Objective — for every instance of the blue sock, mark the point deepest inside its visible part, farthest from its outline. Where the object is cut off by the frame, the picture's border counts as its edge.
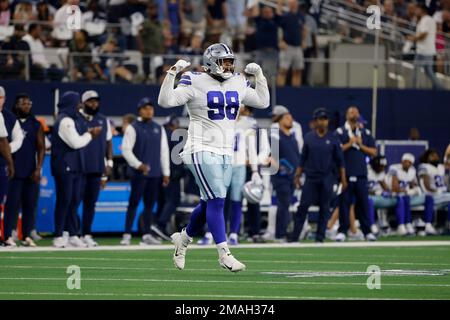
(371, 212)
(198, 219)
(429, 209)
(216, 220)
(407, 206)
(400, 211)
(236, 216)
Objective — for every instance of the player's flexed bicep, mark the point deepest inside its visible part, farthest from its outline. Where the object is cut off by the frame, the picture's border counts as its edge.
(173, 97)
(260, 96)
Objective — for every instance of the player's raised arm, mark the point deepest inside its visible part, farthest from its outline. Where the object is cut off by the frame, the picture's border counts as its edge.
(172, 97)
(259, 97)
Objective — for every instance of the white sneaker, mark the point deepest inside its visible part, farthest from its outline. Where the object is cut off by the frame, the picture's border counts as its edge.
(227, 261)
(358, 236)
(75, 242)
(374, 229)
(59, 242)
(371, 237)
(410, 229)
(401, 230)
(268, 236)
(89, 241)
(206, 240)
(126, 239)
(35, 236)
(340, 237)
(10, 242)
(181, 241)
(28, 242)
(66, 235)
(148, 239)
(430, 230)
(330, 234)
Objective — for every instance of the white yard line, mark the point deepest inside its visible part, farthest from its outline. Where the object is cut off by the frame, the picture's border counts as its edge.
(430, 243)
(204, 281)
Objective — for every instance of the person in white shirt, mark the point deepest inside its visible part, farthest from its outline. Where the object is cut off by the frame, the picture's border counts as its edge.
(5, 150)
(213, 99)
(432, 180)
(146, 150)
(402, 180)
(425, 39)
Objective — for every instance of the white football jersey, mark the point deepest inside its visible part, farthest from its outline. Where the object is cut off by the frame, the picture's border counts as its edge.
(374, 181)
(404, 177)
(436, 174)
(213, 107)
(244, 139)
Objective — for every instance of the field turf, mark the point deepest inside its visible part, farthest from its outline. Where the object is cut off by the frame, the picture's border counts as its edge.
(314, 272)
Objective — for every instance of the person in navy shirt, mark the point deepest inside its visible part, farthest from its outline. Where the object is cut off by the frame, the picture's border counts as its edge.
(98, 159)
(146, 150)
(28, 160)
(283, 180)
(67, 166)
(357, 144)
(321, 154)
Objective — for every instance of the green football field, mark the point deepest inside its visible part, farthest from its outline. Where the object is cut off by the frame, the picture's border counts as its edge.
(420, 270)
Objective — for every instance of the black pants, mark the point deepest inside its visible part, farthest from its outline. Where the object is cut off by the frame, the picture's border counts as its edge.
(172, 198)
(314, 192)
(21, 194)
(68, 195)
(359, 191)
(90, 190)
(284, 190)
(148, 189)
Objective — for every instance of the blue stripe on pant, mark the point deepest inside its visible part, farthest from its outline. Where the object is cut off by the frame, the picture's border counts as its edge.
(68, 194)
(359, 191)
(314, 192)
(21, 194)
(91, 190)
(148, 189)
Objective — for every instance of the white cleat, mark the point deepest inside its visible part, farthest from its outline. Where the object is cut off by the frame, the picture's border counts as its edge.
(75, 242)
(340, 237)
(268, 236)
(60, 242)
(148, 240)
(410, 229)
(401, 230)
(357, 236)
(374, 229)
(371, 237)
(10, 242)
(430, 230)
(179, 255)
(28, 242)
(126, 239)
(227, 261)
(89, 241)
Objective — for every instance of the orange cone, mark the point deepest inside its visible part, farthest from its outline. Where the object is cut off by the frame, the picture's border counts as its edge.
(19, 227)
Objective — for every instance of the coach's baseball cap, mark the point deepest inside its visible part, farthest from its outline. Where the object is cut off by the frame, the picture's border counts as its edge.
(144, 102)
(408, 157)
(320, 113)
(279, 111)
(2, 91)
(90, 94)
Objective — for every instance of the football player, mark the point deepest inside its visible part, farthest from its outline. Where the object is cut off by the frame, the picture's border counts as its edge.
(213, 99)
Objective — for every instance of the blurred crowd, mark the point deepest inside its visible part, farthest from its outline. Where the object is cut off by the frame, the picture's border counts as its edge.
(280, 36)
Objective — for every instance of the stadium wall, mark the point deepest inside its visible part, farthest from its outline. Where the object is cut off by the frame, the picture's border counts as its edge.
(398, 110)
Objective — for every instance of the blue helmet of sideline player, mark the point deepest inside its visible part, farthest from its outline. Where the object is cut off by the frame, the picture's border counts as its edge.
(218, 59)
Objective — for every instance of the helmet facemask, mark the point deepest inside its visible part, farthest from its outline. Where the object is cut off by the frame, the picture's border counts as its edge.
(216, 57)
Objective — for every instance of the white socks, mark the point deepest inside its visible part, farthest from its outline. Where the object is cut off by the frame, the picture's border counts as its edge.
(222, 248)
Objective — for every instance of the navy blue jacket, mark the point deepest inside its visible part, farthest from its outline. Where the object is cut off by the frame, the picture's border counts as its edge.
(289, 156)
(291, 23)
(321, 155)
(147, 147)
(25, 157)
(355, 159)
(95, 152)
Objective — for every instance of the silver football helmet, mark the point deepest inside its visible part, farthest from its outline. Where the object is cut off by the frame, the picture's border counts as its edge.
(253, 192)
(213, 59)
